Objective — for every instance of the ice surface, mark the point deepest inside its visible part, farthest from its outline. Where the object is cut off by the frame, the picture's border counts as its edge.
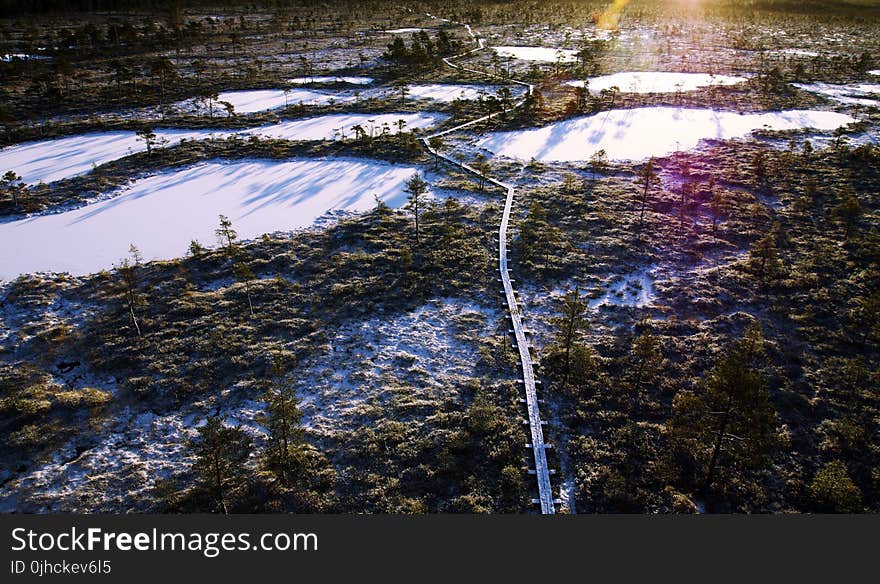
(162, 213)
(547, 54)
(656, 81)
(636, 134)
(51, 160)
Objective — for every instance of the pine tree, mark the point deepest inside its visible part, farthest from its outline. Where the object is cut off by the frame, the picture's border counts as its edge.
(416, 189)
(148, 137)
(227, 236)
(130, 285)
(569, 323)
(648, 175)
(532, 233)
(833, 490)
(481, 165)
(283, 454)
(221, 454)
(849, 211)
(731, 421)
(243, 273)
(12, 184)
(765, 255)
(645, 361)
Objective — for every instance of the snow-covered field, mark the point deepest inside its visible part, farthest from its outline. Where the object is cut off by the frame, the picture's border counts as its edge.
(547, 54)
(325, 79)
(874, 72)
(636, 134)
(656, 81)
(51, 160)
(450, 92)
(161, 214)
(854, 94)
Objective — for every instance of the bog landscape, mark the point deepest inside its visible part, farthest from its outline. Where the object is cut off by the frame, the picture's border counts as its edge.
(563, 256)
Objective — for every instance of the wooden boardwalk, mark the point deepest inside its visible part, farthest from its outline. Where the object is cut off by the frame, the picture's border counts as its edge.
(537, 444)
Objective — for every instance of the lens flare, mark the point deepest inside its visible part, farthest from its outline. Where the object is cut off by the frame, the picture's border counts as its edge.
(611, 16)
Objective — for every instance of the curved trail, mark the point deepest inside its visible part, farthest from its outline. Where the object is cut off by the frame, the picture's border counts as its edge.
(538, 446)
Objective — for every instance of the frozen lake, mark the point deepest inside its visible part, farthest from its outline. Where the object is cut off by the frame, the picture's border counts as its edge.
(406, 30)
(547, 54)
(450, 92)
(51, 160)
(325, 79)
(636, 134)
(260, 100)
(162, 213)
(656, 81)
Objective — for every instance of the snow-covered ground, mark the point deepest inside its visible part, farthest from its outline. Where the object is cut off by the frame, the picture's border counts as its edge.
(326, 79)
(51, 160)
(635, 289)
(636, 134)
(161, 214)
(139, 449)
(450, 92)
(874, 72)
(547, 54)
(421, 351)
(416, 357)
(656, 81)
(854, 94)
